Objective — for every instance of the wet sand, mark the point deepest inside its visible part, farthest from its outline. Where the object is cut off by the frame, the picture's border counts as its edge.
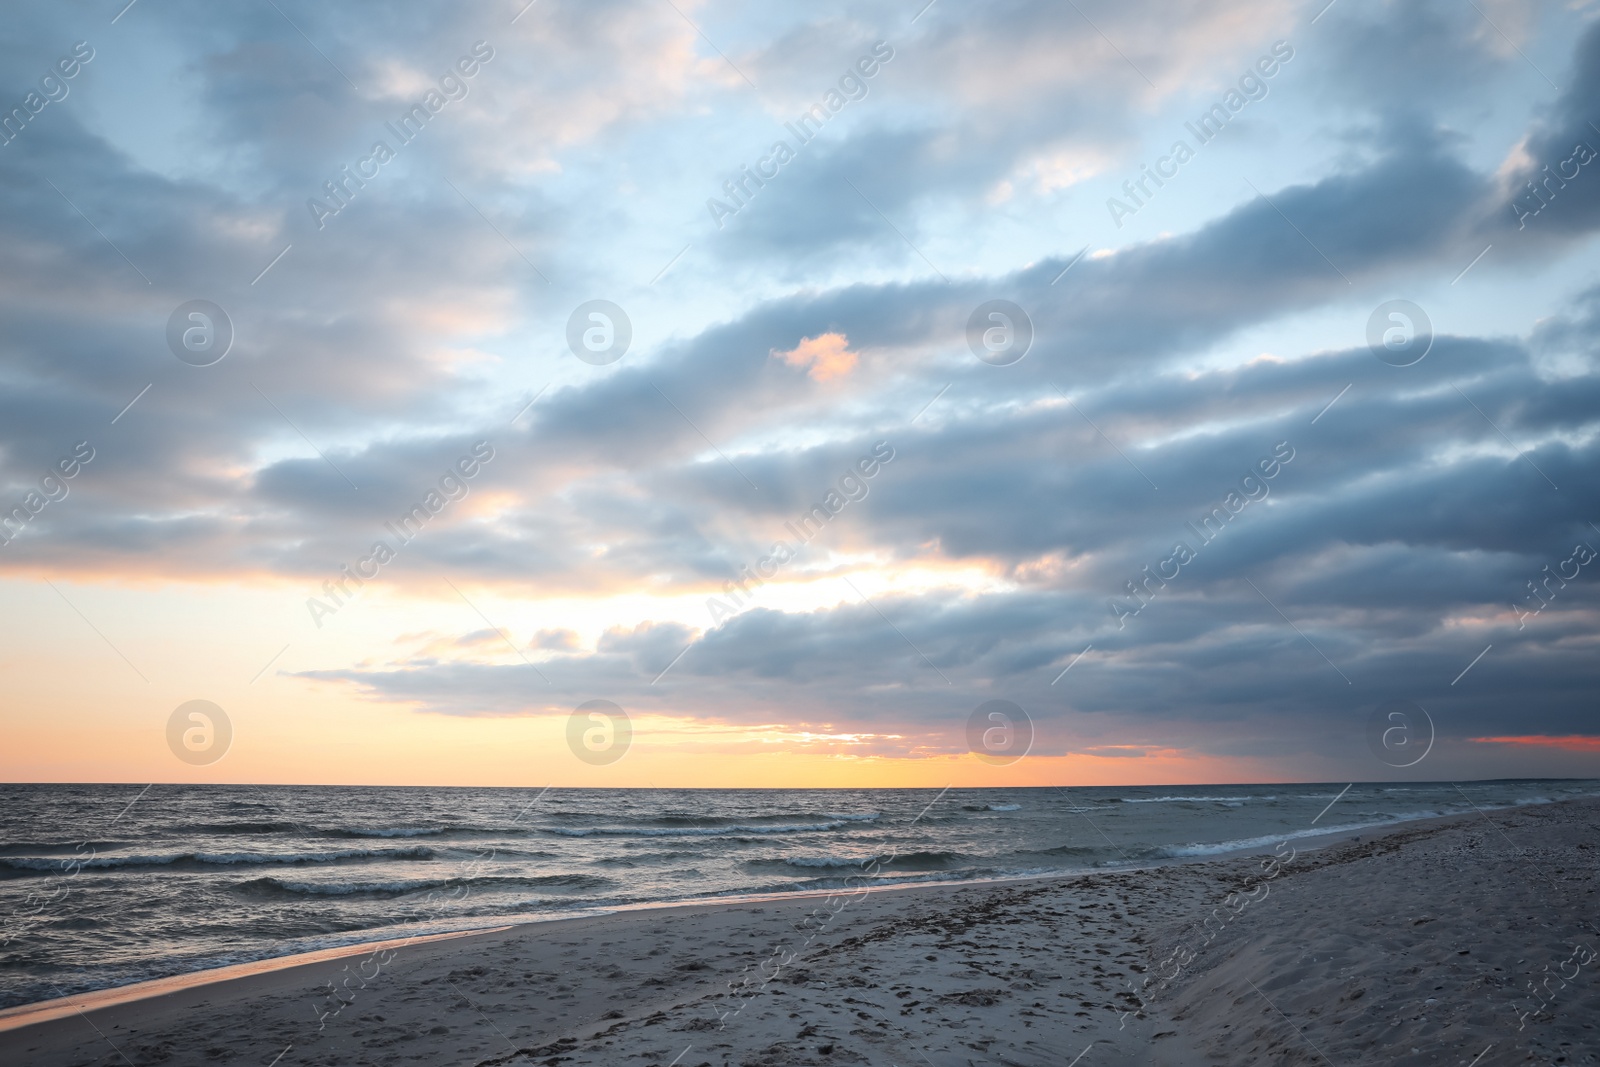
(1429, 944)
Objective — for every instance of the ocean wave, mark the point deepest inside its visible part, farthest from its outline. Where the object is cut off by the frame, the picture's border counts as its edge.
(269, 884)
(912, 861)
(1220, 847)
(913, 877)
(242, 827)
(692, 831)
(920, 861)
(1085, 851)
(693, 819)
(1005, 807)
(69, 850)
(394, 831)
(1185, 800)
(649, 859)
(826, 861)
(34, 864)
(578, 883)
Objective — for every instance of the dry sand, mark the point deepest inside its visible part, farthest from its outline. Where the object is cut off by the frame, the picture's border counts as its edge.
(1418, 946)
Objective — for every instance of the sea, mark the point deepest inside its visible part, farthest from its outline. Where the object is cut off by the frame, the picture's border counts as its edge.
(104, 885)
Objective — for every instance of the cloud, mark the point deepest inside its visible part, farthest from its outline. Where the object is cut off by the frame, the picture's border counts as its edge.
(824, 357)
(1575, 743)
(559, 640)
(829, 315)
(1552, 183)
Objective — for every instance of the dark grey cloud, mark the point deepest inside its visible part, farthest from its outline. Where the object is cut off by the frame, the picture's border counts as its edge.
(1554, 195)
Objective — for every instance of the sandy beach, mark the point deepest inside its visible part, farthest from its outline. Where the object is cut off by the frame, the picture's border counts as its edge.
(1468, 940)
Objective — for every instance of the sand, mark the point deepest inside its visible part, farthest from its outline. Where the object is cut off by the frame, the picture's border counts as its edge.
(1423, 945)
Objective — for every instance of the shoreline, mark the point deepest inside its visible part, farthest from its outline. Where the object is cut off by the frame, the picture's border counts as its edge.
(37, 1012)
(21, 1015)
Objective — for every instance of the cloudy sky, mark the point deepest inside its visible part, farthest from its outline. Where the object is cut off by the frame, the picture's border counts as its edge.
(1326, 277)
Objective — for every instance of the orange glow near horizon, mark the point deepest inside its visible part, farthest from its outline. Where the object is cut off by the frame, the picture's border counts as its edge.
(320, 738)
(1569, 742)
(95, 670)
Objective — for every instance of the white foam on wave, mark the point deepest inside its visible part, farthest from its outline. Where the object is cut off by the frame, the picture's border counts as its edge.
(828, 861)
(1241, 844)
(1189, 800)
(691, 831)
(340, 889)
(413, 885)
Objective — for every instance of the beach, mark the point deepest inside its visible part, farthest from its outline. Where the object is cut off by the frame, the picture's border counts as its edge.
(860, 535)
(1463, 940)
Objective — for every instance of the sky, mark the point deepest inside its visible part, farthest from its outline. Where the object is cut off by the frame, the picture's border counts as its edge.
(1215, 384)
